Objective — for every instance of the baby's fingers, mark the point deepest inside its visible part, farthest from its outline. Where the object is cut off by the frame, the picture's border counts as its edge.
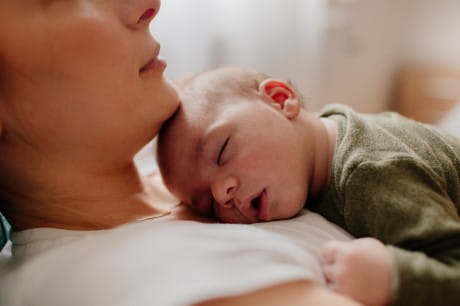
(331, 250)
(330, 274)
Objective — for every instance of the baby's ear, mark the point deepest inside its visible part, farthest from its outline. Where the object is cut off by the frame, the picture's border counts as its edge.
(281, 96)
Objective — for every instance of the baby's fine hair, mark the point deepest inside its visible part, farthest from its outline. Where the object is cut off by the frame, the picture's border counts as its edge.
(217, 85)
(211, 88)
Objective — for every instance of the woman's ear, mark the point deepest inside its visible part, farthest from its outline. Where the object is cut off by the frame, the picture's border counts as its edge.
(281, 96)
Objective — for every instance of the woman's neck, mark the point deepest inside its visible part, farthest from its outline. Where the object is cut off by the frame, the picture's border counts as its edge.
(84, 201)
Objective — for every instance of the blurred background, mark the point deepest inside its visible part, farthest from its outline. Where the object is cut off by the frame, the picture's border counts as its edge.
(372, 55)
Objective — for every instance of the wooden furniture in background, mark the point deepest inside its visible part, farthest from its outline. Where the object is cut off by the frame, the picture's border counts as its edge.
(426, 94)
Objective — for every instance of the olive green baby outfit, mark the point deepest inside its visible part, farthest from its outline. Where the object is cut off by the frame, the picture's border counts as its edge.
(399, 181)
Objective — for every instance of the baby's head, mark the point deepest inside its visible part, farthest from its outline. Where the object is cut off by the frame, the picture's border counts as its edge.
(232, 149)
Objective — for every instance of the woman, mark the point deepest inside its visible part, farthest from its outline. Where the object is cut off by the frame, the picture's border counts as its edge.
(81, 91)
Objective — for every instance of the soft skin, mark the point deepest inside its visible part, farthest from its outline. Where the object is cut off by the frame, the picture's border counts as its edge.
(76, 104)
(244, 157)
(361, 269)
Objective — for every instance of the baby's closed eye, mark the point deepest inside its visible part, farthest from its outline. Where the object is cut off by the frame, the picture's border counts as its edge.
(222, 157)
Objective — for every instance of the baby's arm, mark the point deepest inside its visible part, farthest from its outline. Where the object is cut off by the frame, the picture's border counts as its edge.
(409, 208)
(361, 269)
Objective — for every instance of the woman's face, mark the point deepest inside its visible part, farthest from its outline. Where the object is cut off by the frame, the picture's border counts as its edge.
(81, 75)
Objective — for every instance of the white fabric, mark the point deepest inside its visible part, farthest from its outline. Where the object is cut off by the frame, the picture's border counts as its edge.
(160, 262)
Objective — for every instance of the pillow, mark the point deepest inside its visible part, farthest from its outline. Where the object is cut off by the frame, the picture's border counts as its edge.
(5, 229)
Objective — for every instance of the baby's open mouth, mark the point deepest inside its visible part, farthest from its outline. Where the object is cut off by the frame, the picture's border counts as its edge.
(255, 203)
(255, 207)
(261, 206)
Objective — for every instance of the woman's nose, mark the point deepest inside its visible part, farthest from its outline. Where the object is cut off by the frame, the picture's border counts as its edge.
(224, 189)
(137, 14)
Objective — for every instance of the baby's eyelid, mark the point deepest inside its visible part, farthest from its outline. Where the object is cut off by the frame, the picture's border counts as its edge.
(222, 151)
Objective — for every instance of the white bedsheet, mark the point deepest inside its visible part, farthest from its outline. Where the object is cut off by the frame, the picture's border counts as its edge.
(161, 262)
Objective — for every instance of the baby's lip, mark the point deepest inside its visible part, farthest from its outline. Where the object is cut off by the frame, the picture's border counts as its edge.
(251, 206)
(264, 207)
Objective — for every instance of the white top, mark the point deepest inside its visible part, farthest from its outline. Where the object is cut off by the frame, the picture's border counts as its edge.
(160, 262)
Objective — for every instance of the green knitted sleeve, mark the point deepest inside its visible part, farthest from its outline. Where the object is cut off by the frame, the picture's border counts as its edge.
(408, 207)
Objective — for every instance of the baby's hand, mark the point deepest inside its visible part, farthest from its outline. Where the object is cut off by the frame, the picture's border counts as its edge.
(361, 269)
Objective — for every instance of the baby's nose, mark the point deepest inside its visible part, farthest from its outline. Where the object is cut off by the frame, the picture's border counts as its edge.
(223, 190)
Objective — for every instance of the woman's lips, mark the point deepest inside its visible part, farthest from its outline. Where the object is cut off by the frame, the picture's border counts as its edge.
(155, 64)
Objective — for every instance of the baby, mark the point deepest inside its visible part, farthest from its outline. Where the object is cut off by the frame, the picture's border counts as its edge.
(243, 149)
